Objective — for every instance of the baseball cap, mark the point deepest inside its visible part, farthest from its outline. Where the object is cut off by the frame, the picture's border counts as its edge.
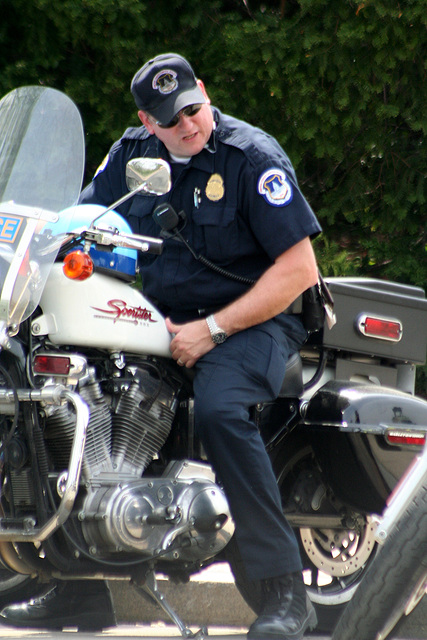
(165, 85)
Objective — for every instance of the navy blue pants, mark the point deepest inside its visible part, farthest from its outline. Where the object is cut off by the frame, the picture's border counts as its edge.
(246, 369)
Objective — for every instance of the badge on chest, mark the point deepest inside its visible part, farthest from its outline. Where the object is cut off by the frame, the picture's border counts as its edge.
(215, 188)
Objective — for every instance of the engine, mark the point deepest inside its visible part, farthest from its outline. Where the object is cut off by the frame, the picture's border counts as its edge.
(130, 419)
(182, 514)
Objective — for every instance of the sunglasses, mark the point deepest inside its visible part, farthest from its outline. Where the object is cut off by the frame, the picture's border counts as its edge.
(189, 111)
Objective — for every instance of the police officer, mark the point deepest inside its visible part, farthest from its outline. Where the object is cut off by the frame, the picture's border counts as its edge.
(242, 210)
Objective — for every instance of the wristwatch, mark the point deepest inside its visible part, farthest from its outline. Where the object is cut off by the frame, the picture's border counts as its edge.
(218, 335)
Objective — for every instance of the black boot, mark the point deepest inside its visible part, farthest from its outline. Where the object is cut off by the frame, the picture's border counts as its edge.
(86, 605)
(287, 611)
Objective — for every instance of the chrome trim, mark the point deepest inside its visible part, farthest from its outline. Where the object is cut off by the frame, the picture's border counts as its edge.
(405, 491)
(54, 394)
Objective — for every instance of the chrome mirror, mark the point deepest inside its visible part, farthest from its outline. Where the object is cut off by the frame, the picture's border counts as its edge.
(148, 175)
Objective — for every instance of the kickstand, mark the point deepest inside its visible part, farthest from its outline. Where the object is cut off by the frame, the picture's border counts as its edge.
(149, 587)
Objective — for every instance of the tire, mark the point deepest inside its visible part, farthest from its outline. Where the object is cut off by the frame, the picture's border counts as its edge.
(330, 578)
(394, 583)
(16, 587)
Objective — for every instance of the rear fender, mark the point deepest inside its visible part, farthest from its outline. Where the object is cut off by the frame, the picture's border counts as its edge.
(364, 437)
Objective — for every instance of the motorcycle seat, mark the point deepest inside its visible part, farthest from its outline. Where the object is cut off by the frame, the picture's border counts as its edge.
(292, 385)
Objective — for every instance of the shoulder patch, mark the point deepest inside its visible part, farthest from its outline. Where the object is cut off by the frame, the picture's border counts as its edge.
(275, 187)
(102, 165)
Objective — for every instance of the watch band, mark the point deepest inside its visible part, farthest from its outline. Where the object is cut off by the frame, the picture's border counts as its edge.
(218, 335)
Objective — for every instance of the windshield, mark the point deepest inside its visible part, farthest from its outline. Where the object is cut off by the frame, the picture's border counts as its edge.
(41, 172)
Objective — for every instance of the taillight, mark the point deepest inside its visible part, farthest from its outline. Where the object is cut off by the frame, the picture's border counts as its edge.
(52, 365)
(77, 265)
(400, 437)
(377, 327)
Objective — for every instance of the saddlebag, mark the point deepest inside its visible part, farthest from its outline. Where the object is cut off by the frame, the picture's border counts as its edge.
(364, 437)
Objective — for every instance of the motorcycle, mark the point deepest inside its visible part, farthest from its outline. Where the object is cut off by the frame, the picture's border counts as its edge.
(102, 473)
(396, 581)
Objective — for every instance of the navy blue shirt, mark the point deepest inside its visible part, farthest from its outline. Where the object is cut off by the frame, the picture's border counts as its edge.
(242, 204)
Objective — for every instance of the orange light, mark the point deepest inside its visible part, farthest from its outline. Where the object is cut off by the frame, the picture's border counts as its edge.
(77, 265)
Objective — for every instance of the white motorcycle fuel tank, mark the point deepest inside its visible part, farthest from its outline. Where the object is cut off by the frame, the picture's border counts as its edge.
(102, 312)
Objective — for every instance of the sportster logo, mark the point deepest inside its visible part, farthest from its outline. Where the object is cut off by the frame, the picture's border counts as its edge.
(119, 310)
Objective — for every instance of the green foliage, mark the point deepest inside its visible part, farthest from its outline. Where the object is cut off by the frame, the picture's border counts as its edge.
(340, 83)
(342, 86)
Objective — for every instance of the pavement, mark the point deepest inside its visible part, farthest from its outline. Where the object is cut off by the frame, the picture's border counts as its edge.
(127, 632)
(211, 599)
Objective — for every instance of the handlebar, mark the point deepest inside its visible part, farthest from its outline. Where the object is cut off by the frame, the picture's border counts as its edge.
(111, 237)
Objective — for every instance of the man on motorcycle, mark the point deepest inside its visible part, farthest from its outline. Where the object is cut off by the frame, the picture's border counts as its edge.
(242, 209)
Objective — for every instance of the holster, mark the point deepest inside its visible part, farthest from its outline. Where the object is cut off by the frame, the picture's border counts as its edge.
(317, 305)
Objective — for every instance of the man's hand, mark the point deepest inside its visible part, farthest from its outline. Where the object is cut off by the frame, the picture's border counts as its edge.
(191, 341)
(293, 272)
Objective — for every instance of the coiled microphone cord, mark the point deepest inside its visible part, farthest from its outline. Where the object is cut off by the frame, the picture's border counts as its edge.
(167, 218)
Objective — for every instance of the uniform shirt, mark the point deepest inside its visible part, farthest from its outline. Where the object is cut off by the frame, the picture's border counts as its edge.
(242, 205)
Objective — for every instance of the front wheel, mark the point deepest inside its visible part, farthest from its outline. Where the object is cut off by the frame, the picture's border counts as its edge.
(396, 581)
(15, 587)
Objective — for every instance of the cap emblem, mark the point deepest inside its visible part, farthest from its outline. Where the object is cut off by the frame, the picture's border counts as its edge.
(165, 81)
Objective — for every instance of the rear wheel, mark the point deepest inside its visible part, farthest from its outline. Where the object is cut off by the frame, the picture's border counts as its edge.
(334, 560)
(395, 582)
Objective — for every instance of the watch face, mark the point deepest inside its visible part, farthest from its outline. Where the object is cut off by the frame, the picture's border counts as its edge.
(219, 337)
